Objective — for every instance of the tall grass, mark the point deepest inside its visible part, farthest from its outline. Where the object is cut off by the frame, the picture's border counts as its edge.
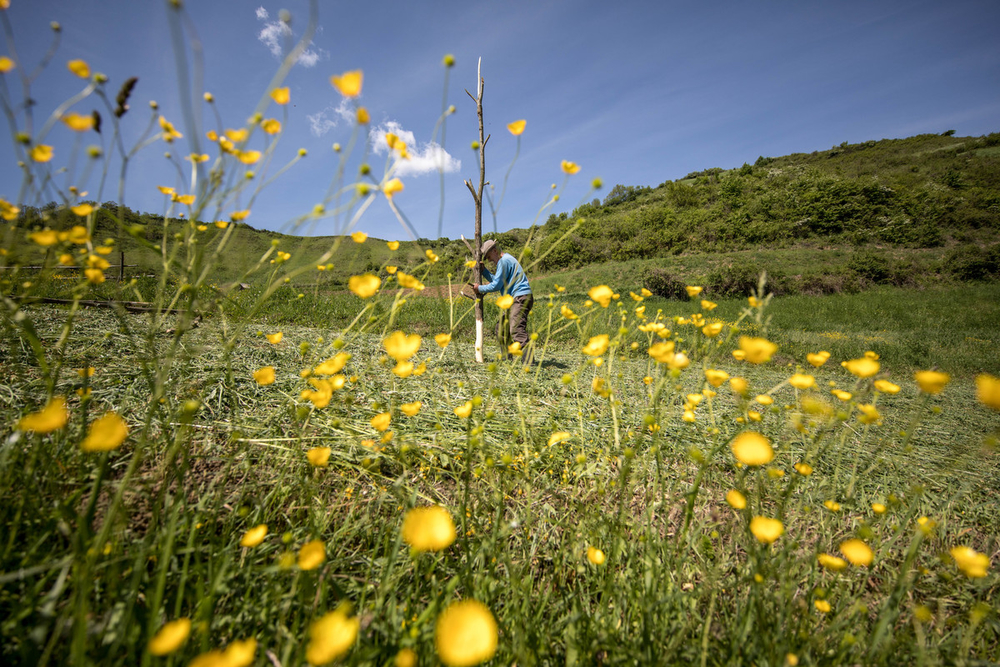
(231, 478)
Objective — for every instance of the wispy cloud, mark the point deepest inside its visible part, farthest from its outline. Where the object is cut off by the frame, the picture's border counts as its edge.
(323, 121)
(425, 158)
(275, 34)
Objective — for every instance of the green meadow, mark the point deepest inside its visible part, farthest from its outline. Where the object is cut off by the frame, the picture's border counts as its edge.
(776, 448)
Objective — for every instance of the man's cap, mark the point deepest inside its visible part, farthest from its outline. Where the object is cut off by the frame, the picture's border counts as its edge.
(487, 246)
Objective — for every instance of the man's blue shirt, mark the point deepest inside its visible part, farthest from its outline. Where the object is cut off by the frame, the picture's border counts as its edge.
(509, 278)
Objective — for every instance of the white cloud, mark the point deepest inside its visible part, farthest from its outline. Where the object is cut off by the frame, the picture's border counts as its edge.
(323, 121)
(274, 33)
(425, 158)
(319, 123)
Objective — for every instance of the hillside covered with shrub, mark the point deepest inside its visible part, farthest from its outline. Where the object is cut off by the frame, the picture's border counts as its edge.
(897, 211)
(921, 192)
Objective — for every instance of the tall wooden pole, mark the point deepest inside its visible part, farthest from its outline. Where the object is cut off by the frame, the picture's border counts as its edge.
(477, 196)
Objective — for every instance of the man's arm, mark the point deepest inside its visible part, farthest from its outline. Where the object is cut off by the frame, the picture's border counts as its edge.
(496, 280)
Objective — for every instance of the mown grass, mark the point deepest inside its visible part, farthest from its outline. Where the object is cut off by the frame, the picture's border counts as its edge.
(676, 587)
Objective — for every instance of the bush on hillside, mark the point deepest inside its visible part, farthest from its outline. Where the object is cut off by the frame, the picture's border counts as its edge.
(740, 278)
(971, 262)
(663, 284)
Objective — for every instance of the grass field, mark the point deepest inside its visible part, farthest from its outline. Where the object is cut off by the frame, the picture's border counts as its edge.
(103, 549)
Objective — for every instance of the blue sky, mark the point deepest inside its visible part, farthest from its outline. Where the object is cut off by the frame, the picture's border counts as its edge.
(636, 93)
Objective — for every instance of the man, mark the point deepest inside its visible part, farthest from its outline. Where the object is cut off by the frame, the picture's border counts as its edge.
(508, 278)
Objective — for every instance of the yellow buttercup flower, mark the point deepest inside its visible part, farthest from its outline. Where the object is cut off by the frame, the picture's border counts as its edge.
(403, 369)
(597, 346)
(739, 385)
(988, 390)
(464, 410)
(40, 153)
(559, 436)
(757, 350)
(802, 381)
(332, 636)
(570, 167)
(869, 413)
(365, 285)
(566, 312)
(401, 347)
(406, 657)
(264, 376)
(841, 394)
(410, 409)
(52, 417)
(766, 530)
(170, 637)
(428, 528)
(595, 556)
(280, 95)
(602, 294)
(271, 126)
(254, 536)
(716, 378)
(886, 387)
(392, 187)
(363, 116)
(392, 245)
(505, 302)
(712, 329)
(312, 555)
(105, 434)
(348, 83)
(319, 457)
(442, 339)
(931, 382)
(972, 563)
(237, 136)
(381, 421)
(803, 469)
(465, 634)
(169, 132)
(8, 211)
(662, 352)
(822, 606)
(408, 281)
(6, 64)
(817, 359)
(239, 216)
(45, 238)
(248, 157)
(752, 449)
(693, 290)
(864, 367)
(333, 365)
(517, 127)
(359, 237)
(857, 552)
(736, 499)
(878, 508)
(831, 505)
(274, 338)
(240, 653)
(79, 67)
(831, 562)
(78, 122)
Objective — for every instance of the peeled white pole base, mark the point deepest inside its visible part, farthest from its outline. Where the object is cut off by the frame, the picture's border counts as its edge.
(479, 341)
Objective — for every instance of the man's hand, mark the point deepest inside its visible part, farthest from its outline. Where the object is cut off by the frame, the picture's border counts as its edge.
(470, 291)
